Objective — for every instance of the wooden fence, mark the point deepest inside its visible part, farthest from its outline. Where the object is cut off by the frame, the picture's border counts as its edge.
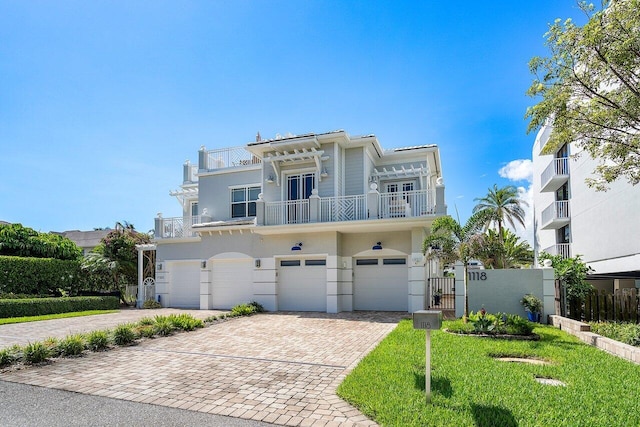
(621, 306)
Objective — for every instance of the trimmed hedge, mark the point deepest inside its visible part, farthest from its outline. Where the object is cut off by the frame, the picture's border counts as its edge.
(40, 306)
(38, 276)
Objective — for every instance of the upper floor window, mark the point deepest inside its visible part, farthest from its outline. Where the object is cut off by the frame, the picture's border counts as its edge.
(243, 201)
(563, 152)
(194, 208)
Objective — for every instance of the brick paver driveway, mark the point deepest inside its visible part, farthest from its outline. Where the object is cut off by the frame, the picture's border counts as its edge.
(281, 368)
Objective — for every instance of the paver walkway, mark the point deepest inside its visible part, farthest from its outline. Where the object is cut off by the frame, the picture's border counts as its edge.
(24, 333)
(281, 368)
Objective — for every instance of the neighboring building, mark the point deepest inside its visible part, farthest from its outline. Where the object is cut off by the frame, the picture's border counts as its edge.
(86, 240)
(318, 222)
(572, 219)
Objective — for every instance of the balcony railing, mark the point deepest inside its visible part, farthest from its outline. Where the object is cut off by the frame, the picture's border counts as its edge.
(562, 249)
(407, 203)
(226, 158)
(555, 174)
(287, 212)
(556, 215)
(345, 208)
(176, 228)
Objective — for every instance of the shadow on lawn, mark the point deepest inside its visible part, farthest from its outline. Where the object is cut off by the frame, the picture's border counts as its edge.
(489, 416)
(440, 385)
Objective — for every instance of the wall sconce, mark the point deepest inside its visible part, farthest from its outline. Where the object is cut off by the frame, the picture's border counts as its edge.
(297, 247)
(257, 262)
(377, 246)
(324, 173)
(203, 264)
(270, 179)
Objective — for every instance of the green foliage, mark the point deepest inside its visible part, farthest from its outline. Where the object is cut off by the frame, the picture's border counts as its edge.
(491, 324)
(184, 321)
(628, 333)
(38, 276)
(16, 240)
(36, 352)
(531, 303)
(151, 304)
(42, 306)
(146, 321)
(51, 343)
(243, 310)
(119, 246)
(72, 345)
(97, 340)
(146, 331)
(572, 272)
(590, 91)
(164, 326)
(123, 335)
(471, 388)
(25, 319)
(509, 252)
(7, 357)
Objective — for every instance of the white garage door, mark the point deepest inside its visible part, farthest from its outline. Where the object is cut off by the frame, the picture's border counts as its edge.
(302, 285)
(381, 284)
(231, 282)
(185, 284)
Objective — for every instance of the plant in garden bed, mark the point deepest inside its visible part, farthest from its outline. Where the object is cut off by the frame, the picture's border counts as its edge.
(628, 333)
(73, 345)
(98, 340)
(483, 323)
(163, 326)
(123, 335)
(7, 357)
(36, 352)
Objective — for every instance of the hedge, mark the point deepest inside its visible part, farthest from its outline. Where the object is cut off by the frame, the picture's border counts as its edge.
(41, 306)
(38, 276)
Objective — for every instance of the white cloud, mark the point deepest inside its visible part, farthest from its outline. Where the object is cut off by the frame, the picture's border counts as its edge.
(517, 170)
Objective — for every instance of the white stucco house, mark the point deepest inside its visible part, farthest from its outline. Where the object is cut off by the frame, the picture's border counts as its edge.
(572, 219)
(318, 222)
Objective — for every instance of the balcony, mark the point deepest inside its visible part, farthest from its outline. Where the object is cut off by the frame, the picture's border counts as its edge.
(556, 215)
(554, 175)
(562, 249)
(223, 158)
(175, 228)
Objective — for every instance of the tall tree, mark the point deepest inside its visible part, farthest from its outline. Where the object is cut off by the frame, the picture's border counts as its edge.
(508, 252)
(590, 89)
(451, 241)
(501, 205)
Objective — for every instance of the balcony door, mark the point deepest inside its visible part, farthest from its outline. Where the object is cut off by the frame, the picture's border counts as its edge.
(299, 187)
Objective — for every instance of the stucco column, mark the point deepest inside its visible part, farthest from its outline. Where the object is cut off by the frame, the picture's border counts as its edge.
(314, 206)
(441, 207)
(202, 158)
(186, 171)
(260, 210)
(158, 226)
(373, 201)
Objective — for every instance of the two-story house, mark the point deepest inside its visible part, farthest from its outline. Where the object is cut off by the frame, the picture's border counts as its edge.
(318, 222)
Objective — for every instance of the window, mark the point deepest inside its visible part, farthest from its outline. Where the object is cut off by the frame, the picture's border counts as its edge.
(315, 262)
(562, 193)
(299, 186)
(290, 263)
(394, 261)
(564, 235)
(243, 201)
(367, 261)
(194, 208)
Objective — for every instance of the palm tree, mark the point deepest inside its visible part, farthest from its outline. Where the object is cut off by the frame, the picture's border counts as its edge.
(455, 242)
(508, 252)
(501, 205)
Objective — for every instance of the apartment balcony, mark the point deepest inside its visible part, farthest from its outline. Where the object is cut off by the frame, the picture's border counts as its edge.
(556, 215)
(363, 207)
(555, 175)
(223, 158)
(175, 228)
(562, 249)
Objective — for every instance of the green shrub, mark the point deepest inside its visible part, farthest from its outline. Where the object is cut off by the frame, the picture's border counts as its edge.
(243, 310)
(123, 335)
(493, 324)
(72, 345)
(39, 276)
(35, 352)
(257, 306)
(146, 331)
(52, 345)
(97, 340)
(7, 357)
(151, 304)
(164, 326)
(517, 325)
(185, 322)
(146, 321)
(41, 306)
(628, 333)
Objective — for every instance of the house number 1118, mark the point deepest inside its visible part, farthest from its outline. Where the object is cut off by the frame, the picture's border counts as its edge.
(477, 275)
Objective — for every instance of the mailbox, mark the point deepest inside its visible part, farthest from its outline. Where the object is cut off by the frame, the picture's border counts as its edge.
(427, 319)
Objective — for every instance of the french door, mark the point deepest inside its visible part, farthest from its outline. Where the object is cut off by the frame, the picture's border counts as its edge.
(298, 191)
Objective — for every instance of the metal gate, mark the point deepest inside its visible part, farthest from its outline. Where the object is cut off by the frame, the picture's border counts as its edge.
(441, 293)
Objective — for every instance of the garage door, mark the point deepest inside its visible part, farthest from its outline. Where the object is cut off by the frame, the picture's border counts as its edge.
(381, 284)
(185, 284)
(231, 282)
(302, 285)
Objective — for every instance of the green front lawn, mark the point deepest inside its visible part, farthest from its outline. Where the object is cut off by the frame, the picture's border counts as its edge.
(471, 388)
(9, 320)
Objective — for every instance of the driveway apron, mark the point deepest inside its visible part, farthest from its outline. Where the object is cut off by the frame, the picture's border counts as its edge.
(280, 368)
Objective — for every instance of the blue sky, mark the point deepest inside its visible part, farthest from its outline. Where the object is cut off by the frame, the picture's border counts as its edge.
(101, 102)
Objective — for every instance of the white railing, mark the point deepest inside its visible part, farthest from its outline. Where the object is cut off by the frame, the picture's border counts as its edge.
(229, 157)
(192, 173)
(344, 208)
(556, 210)
(177, 227)
(559, 166)
(562, 249)
(287, 212)
(407, 204)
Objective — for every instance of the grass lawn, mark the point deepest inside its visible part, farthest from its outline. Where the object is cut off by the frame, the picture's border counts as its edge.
(10, 320)
(471, 388)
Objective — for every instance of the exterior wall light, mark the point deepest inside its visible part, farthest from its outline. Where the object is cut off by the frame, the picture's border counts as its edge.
(377, 246)
(270, 179)
(297, 247)
(324, 173)
(257, 262)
